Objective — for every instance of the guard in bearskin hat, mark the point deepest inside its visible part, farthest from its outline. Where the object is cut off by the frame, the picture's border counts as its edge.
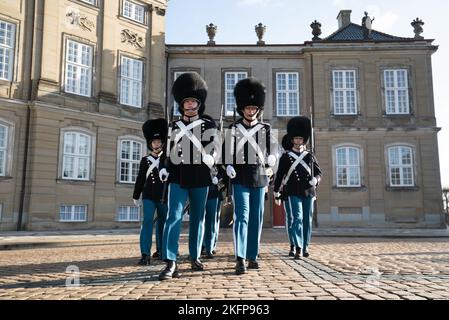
(187, 171)
(287, 145)
(297, 176)
(149, 186)
(253, 152)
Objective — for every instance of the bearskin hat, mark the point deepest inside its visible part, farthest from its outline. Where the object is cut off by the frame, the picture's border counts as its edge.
(155, 129)
(249, 92)
(286, 142)
(190, 85)
(299, 127)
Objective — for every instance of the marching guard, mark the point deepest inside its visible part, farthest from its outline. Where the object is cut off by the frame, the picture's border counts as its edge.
(297, 176)
(251, 152)
(287, 145)
(187, 171)
(149, 186)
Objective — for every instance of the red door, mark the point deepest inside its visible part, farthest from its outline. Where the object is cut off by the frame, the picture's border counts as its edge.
(278, 215)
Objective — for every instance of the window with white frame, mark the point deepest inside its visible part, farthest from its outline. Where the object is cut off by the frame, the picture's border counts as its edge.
(131, 82)
(133, 11)
(7, 40)
(231, 79)
(128, 214)
(348, 167)
(78, 68)
(92, 2)
(3, 149)
(396, 91)
(287, 93)
(130, 155)
(344, 92)
(73, 213)
(76, 156)
(400, 166)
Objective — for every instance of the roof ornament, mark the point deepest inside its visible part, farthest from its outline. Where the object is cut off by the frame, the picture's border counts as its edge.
(367, 25)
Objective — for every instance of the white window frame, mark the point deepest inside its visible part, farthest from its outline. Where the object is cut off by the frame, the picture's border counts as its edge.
(4, 151)
(287, 91)
(7, 48)
(233, 77)
(92, 2)
(130, 162)
(75, 155)
(127, 215)
(345, 90)
(74, 64)
(396, 90)
(134, 79)
(72, 212)
(401, 166)
(347, 167)
(133, 13)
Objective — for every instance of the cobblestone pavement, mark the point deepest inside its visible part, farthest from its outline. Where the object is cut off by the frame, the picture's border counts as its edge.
(338, 268)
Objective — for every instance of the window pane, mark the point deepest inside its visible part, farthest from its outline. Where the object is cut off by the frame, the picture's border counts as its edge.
(353, 156)
(136, 150)
(2, 137)
(341, 157)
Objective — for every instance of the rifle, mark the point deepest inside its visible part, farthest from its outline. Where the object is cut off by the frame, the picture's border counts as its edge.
(312, 149)
(167, 155)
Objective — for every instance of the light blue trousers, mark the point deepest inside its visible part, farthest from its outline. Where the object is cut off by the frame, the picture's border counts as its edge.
(211, 224)
(302, 213)
(288, 222)
(177, 198)
(248, 220)
(146, 230)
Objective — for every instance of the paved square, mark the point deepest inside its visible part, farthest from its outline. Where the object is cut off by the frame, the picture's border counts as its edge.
(338, 268)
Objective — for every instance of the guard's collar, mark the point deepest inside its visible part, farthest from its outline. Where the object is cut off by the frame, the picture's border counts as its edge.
(190, 119)
(250, 123)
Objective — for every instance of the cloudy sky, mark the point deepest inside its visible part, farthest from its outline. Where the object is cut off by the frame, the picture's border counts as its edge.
(288, 21)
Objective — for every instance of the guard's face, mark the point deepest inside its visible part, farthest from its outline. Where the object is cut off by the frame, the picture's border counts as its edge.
(156, 144)
(251, 112)
(298, 141)
(190, 107)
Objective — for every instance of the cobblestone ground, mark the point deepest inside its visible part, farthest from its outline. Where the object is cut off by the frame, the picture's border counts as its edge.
(338, 268)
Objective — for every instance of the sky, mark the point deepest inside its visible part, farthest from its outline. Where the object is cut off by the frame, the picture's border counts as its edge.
(288, 21)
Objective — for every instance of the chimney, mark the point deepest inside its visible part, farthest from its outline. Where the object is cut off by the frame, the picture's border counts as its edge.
(344, 18)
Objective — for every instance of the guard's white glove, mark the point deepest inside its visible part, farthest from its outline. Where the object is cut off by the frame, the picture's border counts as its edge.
(136, 202)
(271, 161)
(208, 160)
(313, 182)
(231, 172)
(163, 175)
(214, 180)
(277, 200)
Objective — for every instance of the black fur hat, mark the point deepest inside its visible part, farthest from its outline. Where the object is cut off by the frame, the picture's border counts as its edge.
(155, 129)
(190, 85)
(249, 92)
(299, 127)
(286, 143)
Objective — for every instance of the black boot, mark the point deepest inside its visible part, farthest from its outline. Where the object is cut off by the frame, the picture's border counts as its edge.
(170, 271)
(305, 253)
(292, 251)
(209, 255)
(144, 261)
(253, 264)
(298, 253)
(240, 267)
(156, 254)
(197, 265)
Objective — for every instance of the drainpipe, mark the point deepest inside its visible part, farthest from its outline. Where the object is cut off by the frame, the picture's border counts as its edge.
(28, 118)
(315, 212)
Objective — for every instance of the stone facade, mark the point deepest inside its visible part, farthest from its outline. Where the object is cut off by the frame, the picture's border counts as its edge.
(38, 108)
(47, 35)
